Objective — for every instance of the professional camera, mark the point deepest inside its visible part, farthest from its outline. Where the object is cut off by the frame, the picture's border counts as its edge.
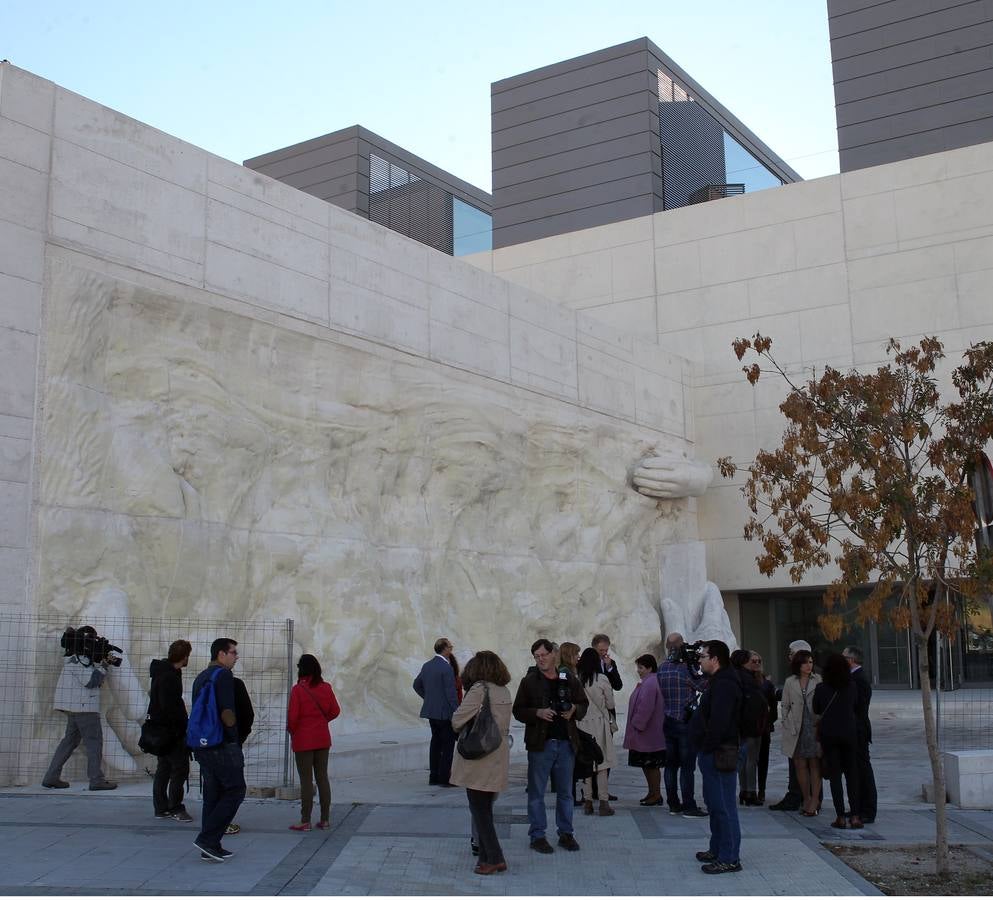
(689, 655)
(562, 702)
(85, 642)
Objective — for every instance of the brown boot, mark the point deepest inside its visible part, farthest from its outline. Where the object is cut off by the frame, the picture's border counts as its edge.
(588, 807)
(605, 809)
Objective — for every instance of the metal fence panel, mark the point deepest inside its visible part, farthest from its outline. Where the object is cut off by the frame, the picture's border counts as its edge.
(31, 660)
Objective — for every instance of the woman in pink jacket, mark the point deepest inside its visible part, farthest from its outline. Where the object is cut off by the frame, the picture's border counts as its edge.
(312, 705)
(643, 736)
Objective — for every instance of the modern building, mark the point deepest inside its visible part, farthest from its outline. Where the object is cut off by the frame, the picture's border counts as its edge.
(910, 78)
(359, 171)
(611, 135)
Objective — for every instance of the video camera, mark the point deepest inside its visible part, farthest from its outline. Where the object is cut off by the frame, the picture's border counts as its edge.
(562, 702)
(85, 642)
(689, 654)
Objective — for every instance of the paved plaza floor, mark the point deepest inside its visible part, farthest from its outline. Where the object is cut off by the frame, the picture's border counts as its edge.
(393, 834)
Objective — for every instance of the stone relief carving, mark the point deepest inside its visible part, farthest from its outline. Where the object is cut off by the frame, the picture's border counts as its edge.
(692, 605)
(200, 464)
(672, 475)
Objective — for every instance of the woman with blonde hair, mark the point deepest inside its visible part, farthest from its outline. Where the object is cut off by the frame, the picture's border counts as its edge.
(799, 729)
(569, 656)
(485, 777)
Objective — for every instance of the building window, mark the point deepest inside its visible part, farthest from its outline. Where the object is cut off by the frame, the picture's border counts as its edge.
(472, 229)
(406, 203)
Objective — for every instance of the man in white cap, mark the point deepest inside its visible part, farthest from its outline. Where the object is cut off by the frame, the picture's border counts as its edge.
(793, 799)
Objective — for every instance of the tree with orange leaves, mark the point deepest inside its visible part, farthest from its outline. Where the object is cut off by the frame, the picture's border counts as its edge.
(871, 476)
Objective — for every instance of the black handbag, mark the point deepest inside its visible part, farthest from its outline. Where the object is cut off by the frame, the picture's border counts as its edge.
(482, 736)
(588, 755)
(156, 738)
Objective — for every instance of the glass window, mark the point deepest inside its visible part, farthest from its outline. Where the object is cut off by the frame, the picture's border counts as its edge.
(743, 168)
(473, 229)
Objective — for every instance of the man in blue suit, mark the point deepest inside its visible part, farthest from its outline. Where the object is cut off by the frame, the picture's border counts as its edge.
(436, 686)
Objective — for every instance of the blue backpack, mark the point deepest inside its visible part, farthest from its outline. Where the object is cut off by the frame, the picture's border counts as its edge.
(205, 728)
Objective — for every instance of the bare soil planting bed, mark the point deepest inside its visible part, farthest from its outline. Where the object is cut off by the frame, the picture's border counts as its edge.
(909, 871)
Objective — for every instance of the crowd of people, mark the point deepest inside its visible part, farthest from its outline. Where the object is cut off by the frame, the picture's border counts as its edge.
(703, 710)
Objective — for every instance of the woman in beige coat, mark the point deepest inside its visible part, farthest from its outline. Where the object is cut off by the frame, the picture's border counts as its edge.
(598, 722)
(484, 778)
(798, 724)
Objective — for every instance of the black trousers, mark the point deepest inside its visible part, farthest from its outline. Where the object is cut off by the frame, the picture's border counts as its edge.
(867, 781)
(763, 769)
(442, 749)
(839, 759)
(481, 809)
(170, 775)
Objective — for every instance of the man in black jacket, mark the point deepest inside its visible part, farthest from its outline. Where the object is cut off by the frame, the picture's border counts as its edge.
(863, 736)
(715, 726)
(549, 702)
(601, 643)
(166, 706)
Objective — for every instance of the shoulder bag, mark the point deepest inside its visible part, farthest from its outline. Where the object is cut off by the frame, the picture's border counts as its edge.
(482, 736)
(156, 739)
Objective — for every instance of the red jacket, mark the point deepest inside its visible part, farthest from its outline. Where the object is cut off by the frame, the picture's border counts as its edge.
(311, 708)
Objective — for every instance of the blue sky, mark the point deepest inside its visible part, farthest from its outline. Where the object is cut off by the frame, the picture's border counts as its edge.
(240, 79)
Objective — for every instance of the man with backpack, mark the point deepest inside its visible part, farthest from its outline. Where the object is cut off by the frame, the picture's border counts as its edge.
(167, 708)
(212, 733)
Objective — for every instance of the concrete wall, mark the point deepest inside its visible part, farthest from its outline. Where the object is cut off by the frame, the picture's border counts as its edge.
(911, 77)
(830, 269)
(86, 183)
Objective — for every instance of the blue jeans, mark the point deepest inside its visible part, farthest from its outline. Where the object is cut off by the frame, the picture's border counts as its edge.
(680, 764)
(223, 771)
(556, 759)
(719, 793)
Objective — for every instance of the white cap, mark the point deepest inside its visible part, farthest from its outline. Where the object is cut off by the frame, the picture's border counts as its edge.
(799, 645)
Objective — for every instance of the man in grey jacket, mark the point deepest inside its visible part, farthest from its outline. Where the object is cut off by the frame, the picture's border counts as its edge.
(77, 694)
(435, 685)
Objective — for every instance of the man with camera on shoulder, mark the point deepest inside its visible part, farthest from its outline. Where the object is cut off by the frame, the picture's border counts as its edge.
(549, 702)
(681, 682)
(77, 694)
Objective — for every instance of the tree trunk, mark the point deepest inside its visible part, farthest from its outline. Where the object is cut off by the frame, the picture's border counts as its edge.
(937, 772)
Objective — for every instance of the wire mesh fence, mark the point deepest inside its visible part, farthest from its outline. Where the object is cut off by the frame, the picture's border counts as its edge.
(965, 719)
(31, 660)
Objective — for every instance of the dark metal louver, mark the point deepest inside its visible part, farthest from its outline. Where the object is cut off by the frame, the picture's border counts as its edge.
(716, 192)
(410, 205)
(692, 151)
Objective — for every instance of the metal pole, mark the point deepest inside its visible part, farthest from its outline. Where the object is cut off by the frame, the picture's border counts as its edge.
(289, 687)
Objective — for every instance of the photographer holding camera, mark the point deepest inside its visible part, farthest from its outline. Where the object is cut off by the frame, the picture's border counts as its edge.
(681, 681)
(77, 694)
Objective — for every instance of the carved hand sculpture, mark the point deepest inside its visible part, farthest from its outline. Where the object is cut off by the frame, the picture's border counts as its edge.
(671, 476)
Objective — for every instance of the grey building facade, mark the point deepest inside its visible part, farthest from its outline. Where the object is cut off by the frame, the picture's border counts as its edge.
(612, 135)
(359, 171)
(911, 77)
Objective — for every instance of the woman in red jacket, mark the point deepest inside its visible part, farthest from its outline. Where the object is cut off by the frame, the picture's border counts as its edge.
(312, 705)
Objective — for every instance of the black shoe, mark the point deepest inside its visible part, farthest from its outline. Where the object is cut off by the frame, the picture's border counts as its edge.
(675, 810)
(611, 797)
(217, 854)
(719, 868)
(54, 785)
(164, 815)
(784, 805)
(542, 846)
(694, 813)
(706, 856)
(104, 786)
(474, 847)
(568, 841)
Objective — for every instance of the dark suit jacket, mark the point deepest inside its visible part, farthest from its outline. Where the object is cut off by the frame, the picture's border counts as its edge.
(436, 686)
(862, 724)
(613, 676)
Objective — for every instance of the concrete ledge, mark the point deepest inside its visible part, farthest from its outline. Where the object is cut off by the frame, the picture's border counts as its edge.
(969, 778)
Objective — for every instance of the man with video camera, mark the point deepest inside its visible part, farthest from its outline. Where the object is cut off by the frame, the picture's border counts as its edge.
(77, 694)
(681, 682)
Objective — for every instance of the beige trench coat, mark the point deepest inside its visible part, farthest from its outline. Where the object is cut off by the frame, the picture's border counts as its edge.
(597, 719)
(791, 710)
(490, 772)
